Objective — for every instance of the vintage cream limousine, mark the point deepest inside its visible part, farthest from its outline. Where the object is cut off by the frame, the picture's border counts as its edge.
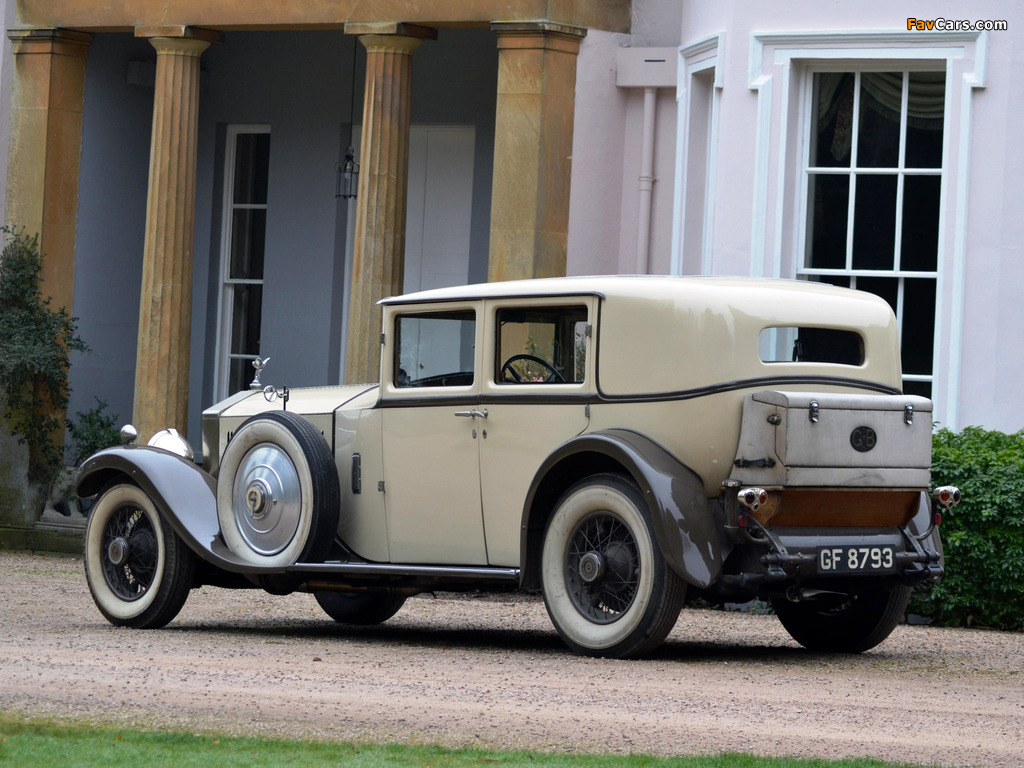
(615, 443)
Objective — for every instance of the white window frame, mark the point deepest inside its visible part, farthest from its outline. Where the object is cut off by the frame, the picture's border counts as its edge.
(900, 171)
(778, 64)
(222, 367)
(696, 58)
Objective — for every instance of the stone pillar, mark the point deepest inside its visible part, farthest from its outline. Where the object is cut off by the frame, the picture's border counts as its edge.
(45, 148)
(42, 199)
(532, 148)
(165, 307)
(379, 251)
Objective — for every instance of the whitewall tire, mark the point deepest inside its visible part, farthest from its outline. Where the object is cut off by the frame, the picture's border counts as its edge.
(607, 587)
(139, 572)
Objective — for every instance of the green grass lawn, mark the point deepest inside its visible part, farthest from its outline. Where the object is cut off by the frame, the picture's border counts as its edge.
(39, 744)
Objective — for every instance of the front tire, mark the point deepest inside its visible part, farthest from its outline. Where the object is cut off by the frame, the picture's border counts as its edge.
(360, 608)
(856, 624)
(607, 587)
(139, 572)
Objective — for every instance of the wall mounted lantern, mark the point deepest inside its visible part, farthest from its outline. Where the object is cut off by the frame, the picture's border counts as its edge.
(347, 185)
(347, 182)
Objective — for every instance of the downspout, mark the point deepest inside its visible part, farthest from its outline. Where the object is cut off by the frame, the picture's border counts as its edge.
(646, 181)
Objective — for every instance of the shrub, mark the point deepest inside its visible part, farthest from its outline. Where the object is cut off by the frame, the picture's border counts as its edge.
(91, 431)
(983, 537)
(37, 341)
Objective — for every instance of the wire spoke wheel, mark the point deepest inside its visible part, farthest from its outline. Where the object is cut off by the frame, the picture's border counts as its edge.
(602, 567)
(139, 571)
(133, 557)
(607, 587)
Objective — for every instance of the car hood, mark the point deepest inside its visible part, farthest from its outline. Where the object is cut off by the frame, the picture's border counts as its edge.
(306, 400)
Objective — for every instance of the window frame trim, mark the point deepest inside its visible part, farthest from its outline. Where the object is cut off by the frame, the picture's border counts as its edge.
(405, 396)
(543, 392)
(222, 352)
(702, 56)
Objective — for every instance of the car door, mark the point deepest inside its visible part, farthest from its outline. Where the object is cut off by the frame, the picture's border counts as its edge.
(536, 387)
(430, 391)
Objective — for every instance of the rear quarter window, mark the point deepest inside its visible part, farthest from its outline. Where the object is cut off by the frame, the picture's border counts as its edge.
(792, 344)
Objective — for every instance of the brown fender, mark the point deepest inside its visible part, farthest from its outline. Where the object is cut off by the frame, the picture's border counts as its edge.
(183, 493)
(683, 521)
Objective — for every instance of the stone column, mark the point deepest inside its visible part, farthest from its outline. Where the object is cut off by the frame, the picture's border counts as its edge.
(42, 199)
(45, 148)
(532, 148)
(379, 251)
(165, 307)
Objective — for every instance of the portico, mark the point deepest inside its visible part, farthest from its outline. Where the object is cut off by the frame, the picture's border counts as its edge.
(536, 53)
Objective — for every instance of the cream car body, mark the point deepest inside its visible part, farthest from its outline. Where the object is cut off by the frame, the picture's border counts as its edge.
(506, 411)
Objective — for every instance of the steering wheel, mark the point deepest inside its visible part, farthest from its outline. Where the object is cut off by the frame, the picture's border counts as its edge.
(506, 367)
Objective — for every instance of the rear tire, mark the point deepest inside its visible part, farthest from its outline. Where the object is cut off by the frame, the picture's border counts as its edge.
(139, 572)
(607, 587)
(856, 624)
(360, 608)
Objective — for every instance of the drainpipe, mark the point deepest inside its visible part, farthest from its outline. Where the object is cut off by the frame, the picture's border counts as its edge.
(646, 186)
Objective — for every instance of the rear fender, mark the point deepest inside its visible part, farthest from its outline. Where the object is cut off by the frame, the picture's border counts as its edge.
(924, 530)
(183, 493)
(684, 524)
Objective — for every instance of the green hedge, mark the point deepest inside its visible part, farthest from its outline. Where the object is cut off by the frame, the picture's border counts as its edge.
(983, 537)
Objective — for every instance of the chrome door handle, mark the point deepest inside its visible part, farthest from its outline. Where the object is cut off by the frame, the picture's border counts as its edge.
(473, 413)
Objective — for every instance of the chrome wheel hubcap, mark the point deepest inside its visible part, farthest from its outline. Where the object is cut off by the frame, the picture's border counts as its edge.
(267, 499)
(117, 551)
(591, 567)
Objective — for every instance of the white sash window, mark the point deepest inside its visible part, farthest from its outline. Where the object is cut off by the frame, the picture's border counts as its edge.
(873, 172)
(243, 237)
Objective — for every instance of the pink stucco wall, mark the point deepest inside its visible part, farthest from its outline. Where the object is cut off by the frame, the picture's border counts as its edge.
(981, 368)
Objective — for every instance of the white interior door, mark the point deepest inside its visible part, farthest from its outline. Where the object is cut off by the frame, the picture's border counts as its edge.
(440, 206)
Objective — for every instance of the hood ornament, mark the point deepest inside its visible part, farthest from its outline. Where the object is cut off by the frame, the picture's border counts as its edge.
(259, 365)
(270, 392)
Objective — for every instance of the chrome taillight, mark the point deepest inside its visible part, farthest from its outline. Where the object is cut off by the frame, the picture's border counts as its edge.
(752, 498)
(946, 496)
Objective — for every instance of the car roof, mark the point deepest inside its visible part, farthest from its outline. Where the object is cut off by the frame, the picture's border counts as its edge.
(612, 285)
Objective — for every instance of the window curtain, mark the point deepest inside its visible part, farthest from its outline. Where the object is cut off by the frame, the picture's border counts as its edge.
(882, 93)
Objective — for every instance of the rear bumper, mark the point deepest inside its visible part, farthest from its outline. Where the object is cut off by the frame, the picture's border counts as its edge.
(774, 559)
(799, 555)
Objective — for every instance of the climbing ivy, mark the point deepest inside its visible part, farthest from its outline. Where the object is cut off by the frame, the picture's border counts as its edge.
(36, 342)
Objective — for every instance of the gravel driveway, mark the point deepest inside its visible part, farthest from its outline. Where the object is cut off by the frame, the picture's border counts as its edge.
(492, 672)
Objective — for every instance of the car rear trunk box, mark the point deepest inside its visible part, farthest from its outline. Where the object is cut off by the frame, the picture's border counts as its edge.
(829, 440)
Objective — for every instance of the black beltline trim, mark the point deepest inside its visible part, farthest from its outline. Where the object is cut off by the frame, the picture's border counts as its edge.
(550, 397)
(761, 382)
(429, 402)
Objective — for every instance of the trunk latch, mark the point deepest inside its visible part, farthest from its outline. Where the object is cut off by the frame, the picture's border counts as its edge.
(812, 412)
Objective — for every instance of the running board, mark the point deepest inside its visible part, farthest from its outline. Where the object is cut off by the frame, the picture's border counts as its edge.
(392, 569)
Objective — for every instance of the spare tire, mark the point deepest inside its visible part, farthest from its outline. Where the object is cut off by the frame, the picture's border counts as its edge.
(278, 499)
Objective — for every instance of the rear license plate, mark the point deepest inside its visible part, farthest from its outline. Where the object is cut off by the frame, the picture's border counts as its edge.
(856, 560)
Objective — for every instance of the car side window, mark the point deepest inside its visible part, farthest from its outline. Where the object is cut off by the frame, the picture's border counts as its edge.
(434, 349)
(541, 345)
